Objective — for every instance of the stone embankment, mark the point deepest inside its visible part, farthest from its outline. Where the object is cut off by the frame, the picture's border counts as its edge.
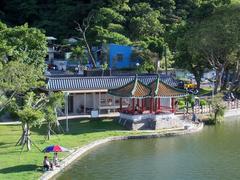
(152, 134)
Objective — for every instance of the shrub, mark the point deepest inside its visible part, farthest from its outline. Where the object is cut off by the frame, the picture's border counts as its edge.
(218, 108)
(203, 102)
(181, 104)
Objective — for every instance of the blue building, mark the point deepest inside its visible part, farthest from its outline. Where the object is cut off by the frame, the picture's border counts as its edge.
(120, 57)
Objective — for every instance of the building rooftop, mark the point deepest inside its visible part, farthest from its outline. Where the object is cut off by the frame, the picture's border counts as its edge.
(161, 89)
(56, 83)
(134, 88)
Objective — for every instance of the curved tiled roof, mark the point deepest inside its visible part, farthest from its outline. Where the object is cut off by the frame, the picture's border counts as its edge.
(161, 89)
(134, 88)
(99, 82)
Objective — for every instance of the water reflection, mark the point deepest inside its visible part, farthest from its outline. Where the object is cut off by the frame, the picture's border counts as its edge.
(213, 153)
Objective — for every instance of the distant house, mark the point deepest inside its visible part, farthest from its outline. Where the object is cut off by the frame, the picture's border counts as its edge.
(51, 48)
(120, 57)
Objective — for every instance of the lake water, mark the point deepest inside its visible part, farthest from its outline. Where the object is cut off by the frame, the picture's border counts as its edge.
(213, 153)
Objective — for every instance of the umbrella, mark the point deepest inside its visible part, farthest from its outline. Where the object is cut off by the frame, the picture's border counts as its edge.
(55, 148)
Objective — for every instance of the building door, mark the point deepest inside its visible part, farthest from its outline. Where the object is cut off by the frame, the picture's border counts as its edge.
(70, 103)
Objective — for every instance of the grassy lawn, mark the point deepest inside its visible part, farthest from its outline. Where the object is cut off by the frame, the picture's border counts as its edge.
(27, 165)
(205, 91)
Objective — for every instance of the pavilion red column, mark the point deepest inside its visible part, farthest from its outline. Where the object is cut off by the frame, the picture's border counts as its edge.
(173, 108)
(133, 104)
(138, 102)
(155, 105)
(151, 106)
(142, 105)
(159, 104)
(120, 104)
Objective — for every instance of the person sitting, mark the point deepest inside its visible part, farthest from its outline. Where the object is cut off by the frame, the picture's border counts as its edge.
(55, 160)
(47, 164)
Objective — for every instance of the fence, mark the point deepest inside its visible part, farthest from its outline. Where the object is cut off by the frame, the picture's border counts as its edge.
(208, 109)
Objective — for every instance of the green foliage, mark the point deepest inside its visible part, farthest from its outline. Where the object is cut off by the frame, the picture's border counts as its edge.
(105, 66)
(148, 59)
(28, 45)
(30, 116)
(216, 39)
(145, 21)
(218, 108)
(108, 36)
(78, 53)
(29, 111)
(181, 104)
(193, 62)
(203, 102)
(15, 78)
(189, 100)
(22, 60)
(55, 101)
(109, 24)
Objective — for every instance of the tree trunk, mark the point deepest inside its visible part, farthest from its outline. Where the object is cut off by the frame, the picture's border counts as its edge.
(198, 84)
(22, 138)
(25, 137)
(49, 131)
(236, 77)
(218, 83)
(225, 83)
(28, 141)
(197, 74)
(89, 50)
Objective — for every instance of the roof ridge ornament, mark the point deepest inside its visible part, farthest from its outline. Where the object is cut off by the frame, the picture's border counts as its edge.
(135, 84)
(157, 85)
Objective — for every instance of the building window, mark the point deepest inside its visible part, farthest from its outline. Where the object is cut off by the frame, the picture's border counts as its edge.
(119, 57)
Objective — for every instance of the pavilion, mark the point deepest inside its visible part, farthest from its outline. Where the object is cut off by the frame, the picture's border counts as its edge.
(152, 102)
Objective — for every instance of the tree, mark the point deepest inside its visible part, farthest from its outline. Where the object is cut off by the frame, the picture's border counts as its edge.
(83, 30)
(15, 80)
(216, 38)
(145, 22)
(29, 45)
(21, 48)
(109, 25)
(78, 53)
(147, 60)
(194, 63)
(30, 115)
(218, 108)
(190, 100)
(54, 102)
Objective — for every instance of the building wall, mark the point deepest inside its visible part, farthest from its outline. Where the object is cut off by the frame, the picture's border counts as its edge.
(107, 101)
(166, 102)
(120, 56)
(78, 101)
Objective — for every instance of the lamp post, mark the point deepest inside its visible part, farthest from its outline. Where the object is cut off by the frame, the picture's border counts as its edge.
(137, 64)
(66, 94)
